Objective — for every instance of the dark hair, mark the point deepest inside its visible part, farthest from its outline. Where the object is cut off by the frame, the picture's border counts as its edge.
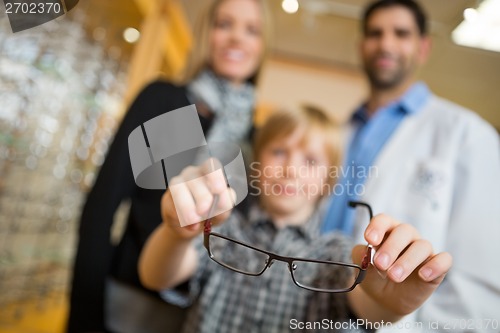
(411, 5)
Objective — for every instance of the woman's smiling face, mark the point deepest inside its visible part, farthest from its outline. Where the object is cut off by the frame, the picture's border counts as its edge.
(236, 42)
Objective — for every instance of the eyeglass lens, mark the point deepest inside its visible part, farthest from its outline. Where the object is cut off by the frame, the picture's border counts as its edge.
(236, 256)
(324, 276)
(307, 274)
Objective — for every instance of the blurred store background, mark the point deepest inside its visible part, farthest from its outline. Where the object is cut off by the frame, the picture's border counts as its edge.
(65, 85)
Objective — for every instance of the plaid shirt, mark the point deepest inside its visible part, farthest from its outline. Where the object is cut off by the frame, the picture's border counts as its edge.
(224, 301)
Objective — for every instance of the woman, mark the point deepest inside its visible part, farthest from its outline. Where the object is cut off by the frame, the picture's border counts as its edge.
(220, 80)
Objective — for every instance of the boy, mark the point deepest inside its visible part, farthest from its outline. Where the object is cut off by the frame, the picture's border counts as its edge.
(295, 152)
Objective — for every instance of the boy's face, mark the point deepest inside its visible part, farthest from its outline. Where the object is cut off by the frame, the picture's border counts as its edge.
(293, 174)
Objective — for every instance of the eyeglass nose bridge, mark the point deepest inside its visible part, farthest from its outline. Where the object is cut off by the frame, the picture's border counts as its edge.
(274, 257)
(269, 262)
(289, 261)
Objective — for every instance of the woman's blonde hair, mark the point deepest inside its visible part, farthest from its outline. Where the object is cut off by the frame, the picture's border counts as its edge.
(200, 54)
(282, 123)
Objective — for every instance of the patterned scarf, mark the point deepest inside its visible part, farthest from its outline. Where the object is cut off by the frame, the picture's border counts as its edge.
(231, 106)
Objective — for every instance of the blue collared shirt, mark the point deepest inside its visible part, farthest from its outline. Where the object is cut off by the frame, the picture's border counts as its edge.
(369, 137)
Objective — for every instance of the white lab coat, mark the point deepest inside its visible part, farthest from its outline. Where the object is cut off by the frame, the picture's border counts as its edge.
(440, 171)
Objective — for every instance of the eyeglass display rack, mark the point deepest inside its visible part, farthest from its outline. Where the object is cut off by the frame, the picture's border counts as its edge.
(60, 97)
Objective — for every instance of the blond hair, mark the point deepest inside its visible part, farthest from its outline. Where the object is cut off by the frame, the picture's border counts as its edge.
(200, 55)
(282, 123)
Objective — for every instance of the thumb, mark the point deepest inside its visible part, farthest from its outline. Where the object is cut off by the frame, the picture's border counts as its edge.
(358, 253)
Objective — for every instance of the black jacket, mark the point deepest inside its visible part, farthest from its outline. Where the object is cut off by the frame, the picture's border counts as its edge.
(96, 259)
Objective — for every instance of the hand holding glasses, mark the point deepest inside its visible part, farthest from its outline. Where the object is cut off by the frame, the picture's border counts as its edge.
(406, 265)
(311, 274)
(413, 270)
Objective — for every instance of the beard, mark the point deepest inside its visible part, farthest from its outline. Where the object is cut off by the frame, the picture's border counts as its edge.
(381, 78)
(385, 81)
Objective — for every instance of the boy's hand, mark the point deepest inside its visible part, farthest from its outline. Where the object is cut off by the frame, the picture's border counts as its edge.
(190, 196)
(413, 270)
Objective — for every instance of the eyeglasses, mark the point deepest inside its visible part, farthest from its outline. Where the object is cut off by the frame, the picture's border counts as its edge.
(315, 275)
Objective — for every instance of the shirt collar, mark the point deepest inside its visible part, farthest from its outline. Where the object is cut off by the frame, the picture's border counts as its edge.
(410, 103)
(413, 100)
(257, 217)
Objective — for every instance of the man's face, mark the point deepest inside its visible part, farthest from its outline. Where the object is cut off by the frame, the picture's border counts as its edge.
(392, 48)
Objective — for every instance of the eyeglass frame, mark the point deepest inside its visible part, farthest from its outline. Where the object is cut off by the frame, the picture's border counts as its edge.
(271, 257)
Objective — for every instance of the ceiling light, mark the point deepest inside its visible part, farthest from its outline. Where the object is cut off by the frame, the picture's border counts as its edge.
(470, 15)
(131, 35)
(481, 27)
(290, 6)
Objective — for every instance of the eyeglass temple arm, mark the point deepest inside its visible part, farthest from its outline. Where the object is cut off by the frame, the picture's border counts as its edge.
(367, 258)
(354, 204)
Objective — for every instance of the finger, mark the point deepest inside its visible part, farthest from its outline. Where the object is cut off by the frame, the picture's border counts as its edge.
(378, 227)
(358, 253)
(214, 175)
(399, 238)
(414, 256)
(202, 196)
(184, 203)
(170, 217)
(435, 269)
(201, 182)
(224, 207)
(226, 200)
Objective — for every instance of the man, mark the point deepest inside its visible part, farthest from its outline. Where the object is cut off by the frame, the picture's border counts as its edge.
(427, 162)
